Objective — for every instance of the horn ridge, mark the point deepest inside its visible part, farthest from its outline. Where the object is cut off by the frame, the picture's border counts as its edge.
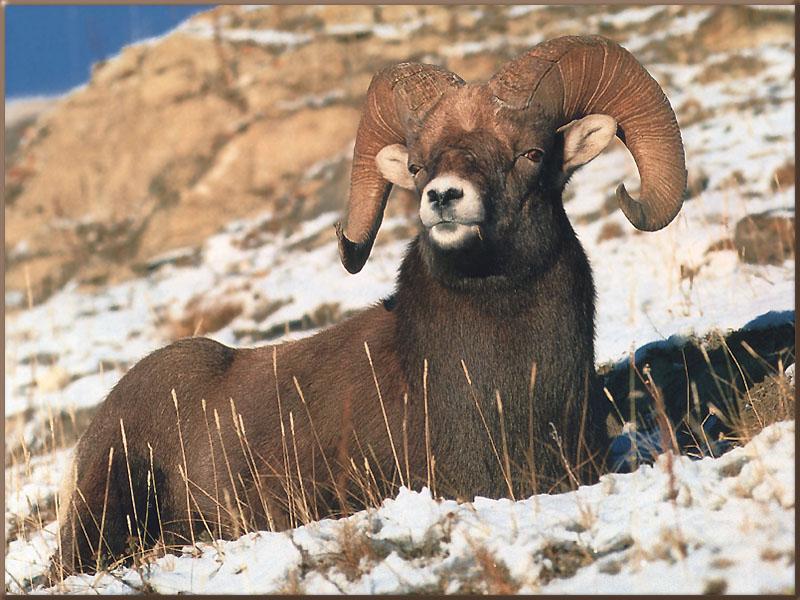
(597, 75)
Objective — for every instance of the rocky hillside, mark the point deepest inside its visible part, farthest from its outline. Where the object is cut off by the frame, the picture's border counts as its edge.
(224, 117)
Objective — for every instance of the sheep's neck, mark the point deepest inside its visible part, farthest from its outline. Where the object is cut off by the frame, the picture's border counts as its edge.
(482, 348)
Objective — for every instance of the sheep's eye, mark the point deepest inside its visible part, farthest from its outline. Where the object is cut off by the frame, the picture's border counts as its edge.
(414, 169)
(534, 155)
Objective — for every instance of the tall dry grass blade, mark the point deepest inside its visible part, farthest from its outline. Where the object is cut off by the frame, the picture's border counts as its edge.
(230, 475)
(257, 478)
(371, 479)
(384, 479)
(662, 419)
(339, 495)
(695, 397)
(238, 426)
(60, 521)
(614, 404)
(534, 475)
(284, 445)
(560, 446)
(197, 506)
(307, 513)
(147, 502)
(582, 428)
(485, 424)
(405, 438)
(764, 363)
(198, 327)
(744, 382)
(362, 485)
(213, 467)
(714, 377)
(155, 494)
(428, 454)
(185, 469)
(375, 495)
(506, 459)
(383, 411)
(80, 519)
(105, 505)
(252, 522)
(130, 481)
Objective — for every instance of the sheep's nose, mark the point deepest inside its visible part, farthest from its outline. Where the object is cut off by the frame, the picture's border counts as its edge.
(442, 198)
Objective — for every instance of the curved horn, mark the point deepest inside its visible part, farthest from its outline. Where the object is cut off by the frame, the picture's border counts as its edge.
(397, 99)
(570, 77)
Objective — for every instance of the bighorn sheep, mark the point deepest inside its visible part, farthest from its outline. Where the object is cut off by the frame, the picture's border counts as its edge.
(478, 374)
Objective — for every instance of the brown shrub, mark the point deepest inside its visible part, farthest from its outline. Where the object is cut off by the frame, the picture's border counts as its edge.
(734, 27)
(565, 558)
(697, 182)
(766, 403)
(692, 111)
(719, 245)
(731, 67)
(609, 231)
(764, 238)
(783, 177)
(201, 319)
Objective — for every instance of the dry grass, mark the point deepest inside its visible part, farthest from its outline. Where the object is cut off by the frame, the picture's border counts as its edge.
(356, 553)
(732, 367)
(201, 318)
(609, 231)
(494, 574)
(563, 560)
(768, 402)
(784, 176)
(765, 238)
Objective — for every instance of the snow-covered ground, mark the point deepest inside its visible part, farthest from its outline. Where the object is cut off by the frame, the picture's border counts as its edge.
(627, 533)
(678, 526)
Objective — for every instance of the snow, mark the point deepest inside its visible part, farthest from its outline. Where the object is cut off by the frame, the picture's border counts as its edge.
(677, 526)
(262, 37)
(383, 31)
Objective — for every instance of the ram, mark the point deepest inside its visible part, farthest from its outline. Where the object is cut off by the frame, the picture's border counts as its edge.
(477, 375)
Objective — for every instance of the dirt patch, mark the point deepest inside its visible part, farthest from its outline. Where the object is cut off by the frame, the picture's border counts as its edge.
(692, 111)
(715, 587)
(731, 67)
(610, 205)
(201, 318)
(610, 231)
(765, 238)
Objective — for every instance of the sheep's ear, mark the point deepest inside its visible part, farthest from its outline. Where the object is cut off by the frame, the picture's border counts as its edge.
(585, 138)
(392, 162)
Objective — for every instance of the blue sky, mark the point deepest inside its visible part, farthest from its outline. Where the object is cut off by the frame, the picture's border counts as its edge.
(50, 49)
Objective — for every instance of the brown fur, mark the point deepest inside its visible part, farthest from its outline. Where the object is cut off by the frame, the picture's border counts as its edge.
(197, 369)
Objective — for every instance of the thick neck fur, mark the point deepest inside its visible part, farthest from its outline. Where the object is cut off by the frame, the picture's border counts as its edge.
(499, 326)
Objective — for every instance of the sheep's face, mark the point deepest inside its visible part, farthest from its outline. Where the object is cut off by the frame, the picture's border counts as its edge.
(489, 184)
